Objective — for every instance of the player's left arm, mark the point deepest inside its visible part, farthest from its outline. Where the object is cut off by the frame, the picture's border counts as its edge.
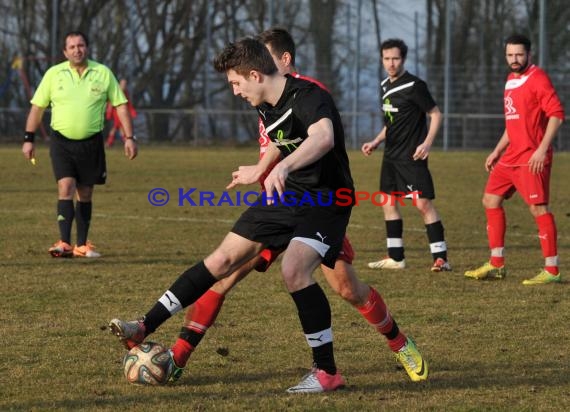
(131, 149)
(553, 109)
(119, 101)
(320, 140)
(422, 151)
(536, 161)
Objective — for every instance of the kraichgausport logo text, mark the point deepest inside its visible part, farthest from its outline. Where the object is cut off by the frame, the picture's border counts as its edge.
(340, 197)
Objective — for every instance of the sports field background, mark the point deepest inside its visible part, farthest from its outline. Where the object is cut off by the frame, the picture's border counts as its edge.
(491, 345)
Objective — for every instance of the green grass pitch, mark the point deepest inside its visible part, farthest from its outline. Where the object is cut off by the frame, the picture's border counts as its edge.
(490, 345)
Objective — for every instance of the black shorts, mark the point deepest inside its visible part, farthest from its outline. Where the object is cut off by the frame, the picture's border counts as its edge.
(275, 225)
(405, 178)
(83, 160)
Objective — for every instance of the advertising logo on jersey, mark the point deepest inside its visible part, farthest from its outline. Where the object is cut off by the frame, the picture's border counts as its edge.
(264, 138)
(289, 144)
(510, 110)
(388, 109)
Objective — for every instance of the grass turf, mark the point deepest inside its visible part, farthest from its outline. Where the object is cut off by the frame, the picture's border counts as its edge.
(490, 345)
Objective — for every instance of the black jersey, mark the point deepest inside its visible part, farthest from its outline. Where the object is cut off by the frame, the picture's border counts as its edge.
(405, 103)
(302, 104)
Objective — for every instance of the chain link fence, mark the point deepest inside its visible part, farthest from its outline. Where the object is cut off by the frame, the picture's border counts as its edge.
(468, 131)
(475, 119)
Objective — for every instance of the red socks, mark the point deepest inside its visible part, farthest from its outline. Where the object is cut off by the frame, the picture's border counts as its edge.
(377, 314)
(547, 235)
(181, 351)
(496, 228)
(199, 317)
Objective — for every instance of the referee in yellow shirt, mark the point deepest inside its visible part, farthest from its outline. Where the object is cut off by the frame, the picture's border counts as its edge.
(77, 91)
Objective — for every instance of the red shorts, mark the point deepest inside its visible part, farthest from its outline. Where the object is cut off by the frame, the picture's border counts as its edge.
(505, 181)
(269, 256)
(347, 252)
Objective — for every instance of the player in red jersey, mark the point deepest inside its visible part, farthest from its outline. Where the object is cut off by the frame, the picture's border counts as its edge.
(522, 161)
(202, 314)
(111, 114)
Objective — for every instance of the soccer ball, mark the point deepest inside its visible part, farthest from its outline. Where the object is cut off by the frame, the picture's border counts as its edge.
(148, 363)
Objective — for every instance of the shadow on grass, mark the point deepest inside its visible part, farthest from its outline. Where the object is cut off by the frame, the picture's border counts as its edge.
(107, 260)
(473, 376)
(209, 388)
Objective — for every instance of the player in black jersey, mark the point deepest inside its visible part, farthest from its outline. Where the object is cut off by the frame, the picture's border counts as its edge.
(405, 102)
(342, 279)
(307, 134)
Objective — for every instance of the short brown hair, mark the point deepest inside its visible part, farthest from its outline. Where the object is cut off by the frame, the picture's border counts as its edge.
(395, 44)
(73, 34)
(280, 41)
(518, 39)
(243, 56)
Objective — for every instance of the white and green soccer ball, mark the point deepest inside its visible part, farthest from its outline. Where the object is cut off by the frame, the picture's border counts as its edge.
(148, 363)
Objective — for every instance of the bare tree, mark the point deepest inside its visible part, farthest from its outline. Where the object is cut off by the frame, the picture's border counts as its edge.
(165, 49)
(322, 19)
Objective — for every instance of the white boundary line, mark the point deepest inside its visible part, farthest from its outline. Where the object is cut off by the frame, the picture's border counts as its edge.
(226, 221)
(230, 221)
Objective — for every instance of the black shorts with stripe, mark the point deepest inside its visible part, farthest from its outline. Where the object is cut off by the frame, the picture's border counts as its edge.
(83, 160)
(407, 178)
(275, 225)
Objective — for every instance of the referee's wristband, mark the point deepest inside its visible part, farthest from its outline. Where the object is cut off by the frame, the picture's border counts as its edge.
(29, 137)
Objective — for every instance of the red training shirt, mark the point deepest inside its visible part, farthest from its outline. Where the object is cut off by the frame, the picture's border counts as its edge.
(530, 99)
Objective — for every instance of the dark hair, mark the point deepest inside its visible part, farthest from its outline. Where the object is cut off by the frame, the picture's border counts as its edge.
(518, 39)
(73, 34)
(243, 56)
(280, 41)
(395, 43)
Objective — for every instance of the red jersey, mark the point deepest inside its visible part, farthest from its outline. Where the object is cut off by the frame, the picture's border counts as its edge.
(530, 99)
(111, 112)
(264, 138)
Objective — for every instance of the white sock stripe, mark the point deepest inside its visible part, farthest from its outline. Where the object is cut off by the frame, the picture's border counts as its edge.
(198, 327)
(170, 302)
(551, 261)
(320, 338)
(498, 252)
(383, 322)
(394, 242)
(438, 247)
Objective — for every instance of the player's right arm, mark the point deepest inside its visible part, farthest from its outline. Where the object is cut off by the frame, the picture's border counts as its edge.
(497, 152)
(319, 141)
(32, 123)
(369, 147)
(246, 175)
